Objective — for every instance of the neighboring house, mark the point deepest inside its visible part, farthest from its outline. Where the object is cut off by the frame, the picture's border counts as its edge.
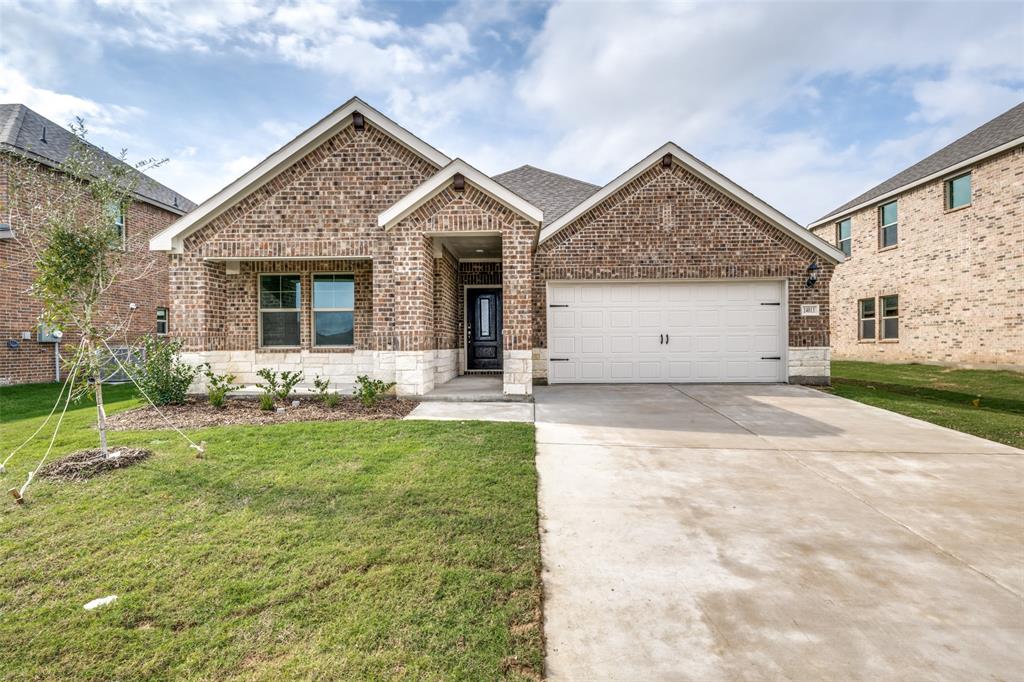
(26, 355)
(935, 267)
(358, 248)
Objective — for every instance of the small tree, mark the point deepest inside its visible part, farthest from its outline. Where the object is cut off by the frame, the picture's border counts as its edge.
(68, 221)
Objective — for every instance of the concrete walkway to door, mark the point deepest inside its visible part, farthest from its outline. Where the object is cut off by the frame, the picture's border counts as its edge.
(773, 532)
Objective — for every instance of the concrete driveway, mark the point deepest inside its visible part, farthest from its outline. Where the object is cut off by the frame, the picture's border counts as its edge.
(773, 533)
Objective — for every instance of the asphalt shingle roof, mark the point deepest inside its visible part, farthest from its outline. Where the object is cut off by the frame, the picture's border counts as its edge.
(1000, 130)
(21, 131)
(552, 193)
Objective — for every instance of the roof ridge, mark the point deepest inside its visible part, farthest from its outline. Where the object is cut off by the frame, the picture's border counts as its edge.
(548, 172)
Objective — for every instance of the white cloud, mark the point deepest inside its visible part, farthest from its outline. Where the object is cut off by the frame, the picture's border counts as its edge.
(62, 108)
(617, 80)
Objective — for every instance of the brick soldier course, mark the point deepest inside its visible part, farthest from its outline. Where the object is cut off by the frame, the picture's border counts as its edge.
(358, 194)
(957, 271)
(25, 360)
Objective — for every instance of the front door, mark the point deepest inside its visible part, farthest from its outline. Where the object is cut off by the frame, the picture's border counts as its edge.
(483, 329)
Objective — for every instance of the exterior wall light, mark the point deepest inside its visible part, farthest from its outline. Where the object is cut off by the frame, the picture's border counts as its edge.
(812, 273)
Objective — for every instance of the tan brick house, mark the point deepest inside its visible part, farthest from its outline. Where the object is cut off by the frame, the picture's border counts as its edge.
(26, 354)
(935, 267)
(358, 248)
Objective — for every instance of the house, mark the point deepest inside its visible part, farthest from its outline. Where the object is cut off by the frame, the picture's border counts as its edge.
(28, 354)
(935, 257)
(358, 248)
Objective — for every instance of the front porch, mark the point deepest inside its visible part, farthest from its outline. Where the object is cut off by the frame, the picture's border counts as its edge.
(473, 388)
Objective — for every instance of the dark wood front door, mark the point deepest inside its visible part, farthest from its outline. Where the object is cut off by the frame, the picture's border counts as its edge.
(483, 328)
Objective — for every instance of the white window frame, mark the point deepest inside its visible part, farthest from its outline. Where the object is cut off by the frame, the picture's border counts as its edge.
(882, 317)
(882, 226)
(313, 309)
(840, 240)
(947, 191)
(861, 319)
(260, 309)
(166, 321)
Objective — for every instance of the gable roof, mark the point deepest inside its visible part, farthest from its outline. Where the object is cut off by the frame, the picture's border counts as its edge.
(171, 238)
(440, 180)
(1001, 133)
(555, 194)
(32, 135)
(713, 178)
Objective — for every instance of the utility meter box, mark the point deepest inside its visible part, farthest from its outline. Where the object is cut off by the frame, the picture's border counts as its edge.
(47, 335)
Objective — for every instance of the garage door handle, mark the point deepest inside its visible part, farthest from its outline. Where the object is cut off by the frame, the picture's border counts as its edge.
(776, 303)
(661, 339)
(558, 359)
(771, 357)
(666, 338)
(558, 305)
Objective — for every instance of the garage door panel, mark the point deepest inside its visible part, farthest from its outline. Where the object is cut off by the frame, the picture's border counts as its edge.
(666, 331)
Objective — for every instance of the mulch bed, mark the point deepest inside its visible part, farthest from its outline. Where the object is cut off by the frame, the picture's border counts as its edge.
(198, 413)
(83, 465)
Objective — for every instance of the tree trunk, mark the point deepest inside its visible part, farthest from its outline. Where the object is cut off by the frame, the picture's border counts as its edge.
(101, 414)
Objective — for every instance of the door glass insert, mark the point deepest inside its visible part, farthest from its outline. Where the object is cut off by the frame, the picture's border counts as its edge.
(485, 317)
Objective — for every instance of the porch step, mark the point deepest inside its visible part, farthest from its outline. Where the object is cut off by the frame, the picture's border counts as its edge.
(473, 398)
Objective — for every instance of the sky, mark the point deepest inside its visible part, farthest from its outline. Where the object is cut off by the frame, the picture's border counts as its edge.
(805, 104)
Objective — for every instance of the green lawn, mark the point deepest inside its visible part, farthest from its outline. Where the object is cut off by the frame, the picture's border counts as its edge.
(986, 403)
(344, 550)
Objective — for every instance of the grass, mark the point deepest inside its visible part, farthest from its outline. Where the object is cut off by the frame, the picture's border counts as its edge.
(344, 550)
(985, 403)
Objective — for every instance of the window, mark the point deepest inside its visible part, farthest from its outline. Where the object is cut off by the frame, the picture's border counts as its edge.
(115, 212)
(843, 235)
(887, 218)
(333, 305)
(890, 317)
(958, 191)
(161, 321)
(280, 298)
(867, 319)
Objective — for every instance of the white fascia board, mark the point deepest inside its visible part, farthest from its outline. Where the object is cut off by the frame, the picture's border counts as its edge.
(437, 182)
(712, 177)
(171, 238)
(925, 180)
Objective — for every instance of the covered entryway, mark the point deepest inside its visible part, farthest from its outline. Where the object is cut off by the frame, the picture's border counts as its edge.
(661, 331)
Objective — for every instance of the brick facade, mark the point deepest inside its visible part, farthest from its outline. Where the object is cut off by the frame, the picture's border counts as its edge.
(669, 224)
(19, 310)
(959, 273)
(320, 215)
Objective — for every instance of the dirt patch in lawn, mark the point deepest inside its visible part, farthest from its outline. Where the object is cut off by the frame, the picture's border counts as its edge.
(198, 413)
(84, 464)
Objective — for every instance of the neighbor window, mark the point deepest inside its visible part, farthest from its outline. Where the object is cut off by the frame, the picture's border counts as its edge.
(161, 321)
(280, 298)
(887, 219)
(843, 228)
(333, 310)
(115, 212)
(958, 191)
(867, 319)
(890, 317)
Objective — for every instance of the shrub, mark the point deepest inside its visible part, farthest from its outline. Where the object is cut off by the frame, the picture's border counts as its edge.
(288, 381)
(275, 386)
(218, 386)
(369, 390)
(323, 391)
(162, 374)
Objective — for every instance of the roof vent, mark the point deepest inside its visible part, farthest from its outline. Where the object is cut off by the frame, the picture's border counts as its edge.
(358, 121)
(458, 182)
(42, 137)
(666, 161)
(175, 201)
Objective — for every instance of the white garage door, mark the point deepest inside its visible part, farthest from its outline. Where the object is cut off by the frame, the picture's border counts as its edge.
(600, 332)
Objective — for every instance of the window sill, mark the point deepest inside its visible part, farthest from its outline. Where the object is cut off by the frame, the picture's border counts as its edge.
(866, 341)
(888, 248)
(958, 208)
(278, 349)
(888, 340)
(332, 349)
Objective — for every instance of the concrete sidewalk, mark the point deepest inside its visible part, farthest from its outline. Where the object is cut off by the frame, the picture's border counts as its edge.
(773, 532)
